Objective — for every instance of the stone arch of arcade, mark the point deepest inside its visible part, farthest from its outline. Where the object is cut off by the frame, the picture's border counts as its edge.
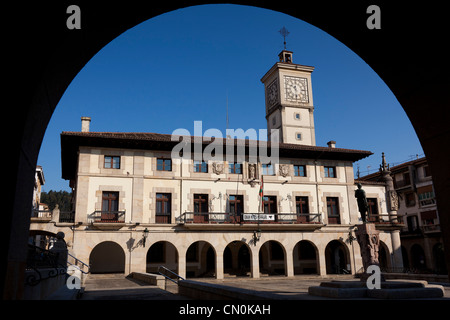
(201, 260)
(337, 258)
(306, 258)
(107, 257)
(161, 253)
(51, 55)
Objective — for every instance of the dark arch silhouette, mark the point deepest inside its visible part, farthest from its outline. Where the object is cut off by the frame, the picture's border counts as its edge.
(42, 57)
(107, 257)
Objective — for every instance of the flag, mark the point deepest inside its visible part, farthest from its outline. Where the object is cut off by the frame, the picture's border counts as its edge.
(261, 194)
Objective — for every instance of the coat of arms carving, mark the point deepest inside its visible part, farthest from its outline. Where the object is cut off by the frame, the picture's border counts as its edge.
(217, 167)
(284, 170)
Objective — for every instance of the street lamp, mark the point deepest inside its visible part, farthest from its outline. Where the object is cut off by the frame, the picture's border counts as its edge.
(144, 236)
(256, 236)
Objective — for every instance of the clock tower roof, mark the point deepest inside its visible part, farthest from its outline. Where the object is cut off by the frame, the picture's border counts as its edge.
(285, 56)
(286, 65)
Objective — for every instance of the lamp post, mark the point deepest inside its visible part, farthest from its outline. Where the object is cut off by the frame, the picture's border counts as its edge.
(144, 236)
(256, 236)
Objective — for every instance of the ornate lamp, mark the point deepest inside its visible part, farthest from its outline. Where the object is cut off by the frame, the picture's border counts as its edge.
(144, 236)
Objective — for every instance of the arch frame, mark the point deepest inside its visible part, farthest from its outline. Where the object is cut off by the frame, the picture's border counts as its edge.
(62, 54)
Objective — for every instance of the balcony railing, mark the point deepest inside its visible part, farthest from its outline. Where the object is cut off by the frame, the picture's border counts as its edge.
(108, 216)
(67, 216)
(385, 218)
(431, 228)
(260, 218)
(42, 214)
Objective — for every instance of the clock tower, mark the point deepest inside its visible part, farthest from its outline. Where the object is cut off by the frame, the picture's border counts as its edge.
(289, 101)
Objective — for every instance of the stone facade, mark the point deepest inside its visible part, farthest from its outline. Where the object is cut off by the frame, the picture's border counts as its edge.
(137, 207)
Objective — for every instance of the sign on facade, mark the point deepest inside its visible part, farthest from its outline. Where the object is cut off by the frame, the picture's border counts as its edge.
(260, 217)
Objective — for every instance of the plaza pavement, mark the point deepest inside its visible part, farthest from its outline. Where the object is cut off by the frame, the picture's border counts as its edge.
(120, 287)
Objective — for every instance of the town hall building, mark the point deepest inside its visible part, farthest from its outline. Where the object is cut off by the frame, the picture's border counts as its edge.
(138, 207)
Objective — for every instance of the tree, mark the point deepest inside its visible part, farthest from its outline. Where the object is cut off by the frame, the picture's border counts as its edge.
(61, 198)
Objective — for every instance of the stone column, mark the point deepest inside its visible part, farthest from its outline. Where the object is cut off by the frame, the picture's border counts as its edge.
(397, 257)
(369, 242)
(219, 265)
(182, 264)
(322, 263)
(254, 263)
(289, 264)
(392, 207)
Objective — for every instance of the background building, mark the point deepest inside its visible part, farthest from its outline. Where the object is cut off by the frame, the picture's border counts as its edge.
(422, 243)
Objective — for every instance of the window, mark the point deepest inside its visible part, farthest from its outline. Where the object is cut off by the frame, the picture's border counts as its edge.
(112, 162)
(426, 195)
(299, 170)
(301, 204)
(110, 207)
(297, 116)
(372, 210)
(236, 203)
(333, 210)
(200, 203)
(410, 199)
(412, 223)
(235, 168)
(270, 204)
(164, 164)
(110, 201)
(163, 208)
(330, 172)
(426, 171)
(298, 136)
(200, 166)
(302, 209)
(267, 169)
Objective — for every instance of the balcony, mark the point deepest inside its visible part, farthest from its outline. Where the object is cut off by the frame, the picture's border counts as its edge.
(107, 219)
(386, 221)
(248, 221)
(41, 216)
(431, 228)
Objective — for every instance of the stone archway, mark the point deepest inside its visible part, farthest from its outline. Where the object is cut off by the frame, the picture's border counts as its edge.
(305, 257)
(237, 260)
(337, 258)
(272, 258)
(107, 257)
(161, 253)
(201, 260)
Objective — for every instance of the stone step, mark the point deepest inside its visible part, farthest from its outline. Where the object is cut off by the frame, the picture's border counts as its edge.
(398, 289)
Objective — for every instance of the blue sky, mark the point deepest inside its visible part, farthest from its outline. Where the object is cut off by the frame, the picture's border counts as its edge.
(183, 66)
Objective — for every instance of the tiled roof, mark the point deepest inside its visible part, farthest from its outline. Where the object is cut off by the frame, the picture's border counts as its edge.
(71, 141)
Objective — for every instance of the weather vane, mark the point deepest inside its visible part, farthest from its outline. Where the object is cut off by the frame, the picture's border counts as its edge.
(284, 32)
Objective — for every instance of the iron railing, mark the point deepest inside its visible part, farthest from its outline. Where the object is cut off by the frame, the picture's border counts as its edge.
(39, 259)
(78, 263)
(385, 218)
(67, 216)
(172, 275)
(261, 218)
(108, 216)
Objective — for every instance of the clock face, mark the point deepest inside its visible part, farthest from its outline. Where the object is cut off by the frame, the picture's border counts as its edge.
(272, 93)
(296, 89)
